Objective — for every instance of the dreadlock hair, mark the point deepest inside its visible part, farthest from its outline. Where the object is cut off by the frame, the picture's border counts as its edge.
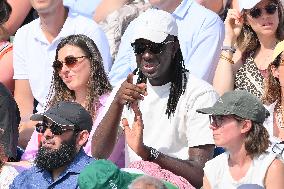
(98, 83)
(178, 83)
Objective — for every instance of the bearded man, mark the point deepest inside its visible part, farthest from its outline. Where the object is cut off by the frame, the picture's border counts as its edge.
(65, 129)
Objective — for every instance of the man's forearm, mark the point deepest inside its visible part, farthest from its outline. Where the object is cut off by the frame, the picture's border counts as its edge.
(191, 170)
(105, 135)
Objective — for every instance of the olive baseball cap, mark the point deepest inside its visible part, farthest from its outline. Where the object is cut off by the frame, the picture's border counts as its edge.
(240, 103)
(67, 113)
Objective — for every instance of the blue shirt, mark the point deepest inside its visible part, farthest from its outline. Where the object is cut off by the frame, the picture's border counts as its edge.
(85, 7)
(39, 178)
(201, 34)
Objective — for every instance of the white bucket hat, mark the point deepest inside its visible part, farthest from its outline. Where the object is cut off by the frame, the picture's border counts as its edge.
(154, 25)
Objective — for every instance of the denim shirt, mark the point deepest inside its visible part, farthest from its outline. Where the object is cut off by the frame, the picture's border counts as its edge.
(39, 178)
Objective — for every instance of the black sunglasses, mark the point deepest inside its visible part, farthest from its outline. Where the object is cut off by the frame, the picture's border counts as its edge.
(156, 48)
(69, 61)
(55, 128)
(257, 12)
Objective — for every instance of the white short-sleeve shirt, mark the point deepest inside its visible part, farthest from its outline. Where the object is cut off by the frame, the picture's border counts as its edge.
(186, 128)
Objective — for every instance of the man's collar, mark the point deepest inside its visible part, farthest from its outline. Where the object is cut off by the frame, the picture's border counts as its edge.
(182, 9)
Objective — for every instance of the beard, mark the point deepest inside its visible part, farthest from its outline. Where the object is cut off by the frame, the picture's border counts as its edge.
(50, 159)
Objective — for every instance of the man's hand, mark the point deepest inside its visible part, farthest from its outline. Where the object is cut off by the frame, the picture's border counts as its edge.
(134, 135)
(129, 92)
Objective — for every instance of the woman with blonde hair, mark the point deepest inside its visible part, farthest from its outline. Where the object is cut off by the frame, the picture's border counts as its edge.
(254, 31)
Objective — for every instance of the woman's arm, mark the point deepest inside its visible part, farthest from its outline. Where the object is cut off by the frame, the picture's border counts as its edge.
(274, 178)
(229, 62)
(20, 9)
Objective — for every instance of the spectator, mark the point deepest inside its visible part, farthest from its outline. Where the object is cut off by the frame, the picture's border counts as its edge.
(114, 16)
(200, 31)
(84, 7)
(6, 67)
(237, 124)
(20, 10)
(79, 76)
(184, 140)
(66, 127)
(147, 182)
(33, 71)
(9, 122)
(272, 98)
(103, 174)
(255, 31)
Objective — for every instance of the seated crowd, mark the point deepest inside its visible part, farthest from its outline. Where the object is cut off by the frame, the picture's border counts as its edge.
(135, 94)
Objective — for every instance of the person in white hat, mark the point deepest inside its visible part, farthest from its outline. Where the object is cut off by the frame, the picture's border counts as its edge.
(273, 100)
(163, 92)
(254, 31)
(201, 33)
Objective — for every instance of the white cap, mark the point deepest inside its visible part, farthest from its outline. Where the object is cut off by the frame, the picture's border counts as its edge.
(154, 25)
(247, 4)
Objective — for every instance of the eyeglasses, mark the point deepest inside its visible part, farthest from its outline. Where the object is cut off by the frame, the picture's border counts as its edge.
(55, 128)
(156, 48)
(257, 12)
(69, 61)
(218, 120)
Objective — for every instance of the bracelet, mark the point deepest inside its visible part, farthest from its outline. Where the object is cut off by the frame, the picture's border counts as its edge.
(228, 48)
(227, 59)
(154, 154)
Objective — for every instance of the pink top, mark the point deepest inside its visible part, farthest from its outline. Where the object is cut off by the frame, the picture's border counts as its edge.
(117, 155)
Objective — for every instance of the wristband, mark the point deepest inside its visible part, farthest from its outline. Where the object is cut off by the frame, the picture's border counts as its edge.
(154, 154)
(228, 48)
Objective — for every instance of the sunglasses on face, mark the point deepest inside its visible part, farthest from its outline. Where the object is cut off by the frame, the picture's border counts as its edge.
(156, 48)
(69, 61)
(55, 128)
(218, 120)
(257, 12)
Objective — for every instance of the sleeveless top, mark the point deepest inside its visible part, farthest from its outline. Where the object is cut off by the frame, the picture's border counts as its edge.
(219, 176)
(250, 78)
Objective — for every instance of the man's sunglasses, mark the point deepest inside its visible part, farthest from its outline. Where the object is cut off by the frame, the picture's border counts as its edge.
(257, 12)
(69, 61)
(55, 128)
(156, 48)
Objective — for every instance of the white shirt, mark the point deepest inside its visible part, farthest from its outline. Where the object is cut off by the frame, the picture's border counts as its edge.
(219, 176)
(186, 128)
(33, 54)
